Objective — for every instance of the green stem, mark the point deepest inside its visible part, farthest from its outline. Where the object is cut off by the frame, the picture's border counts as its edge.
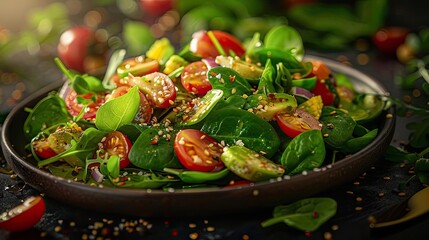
(63, 68)
(216, 43)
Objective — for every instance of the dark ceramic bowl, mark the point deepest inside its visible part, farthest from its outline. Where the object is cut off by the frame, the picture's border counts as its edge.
(194, 202)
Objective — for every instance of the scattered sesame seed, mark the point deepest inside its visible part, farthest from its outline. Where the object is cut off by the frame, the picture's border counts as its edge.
(335, 227)
(358, 208)
(401, 194)
(359, 199)
(327, 235)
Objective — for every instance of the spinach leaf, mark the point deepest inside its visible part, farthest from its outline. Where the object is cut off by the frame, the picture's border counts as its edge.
(144, 180)
(337, 125)
(48, 112)
(305, 215)
(66, 171)
(115, 60)
(233, 125)
(137, 37)
(229, 81)
(283, 81)
(422, 170)
(132, 130)
(397, 155)
(154, 152)
(355, 144)
(305, 152)
(262, 55)
(266, 84)
(285, 38)
(119, 111)
(79, 151)
(112, 166)
(420, 133)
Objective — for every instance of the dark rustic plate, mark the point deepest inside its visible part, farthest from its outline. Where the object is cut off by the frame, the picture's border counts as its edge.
(194, 202)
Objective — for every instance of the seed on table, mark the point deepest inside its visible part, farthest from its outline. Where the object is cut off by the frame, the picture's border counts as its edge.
(358, 208)
(401, 194)
(327, 235)
(335, 227)
(359, 199)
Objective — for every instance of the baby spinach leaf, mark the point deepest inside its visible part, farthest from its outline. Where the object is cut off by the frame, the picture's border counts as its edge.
(420, 132)
(154, 152)
(422, 170)
(48, 112)
(119, 111)
(394, 154)
(305, 152)
(305, 215)
(285, 38)
(266, 84)
(229, 81)
(262, 55)
(144, 180)
(283, 81)
(233, 125)
(355, 144)
(337, 125)
(132, 130)
(66, 171)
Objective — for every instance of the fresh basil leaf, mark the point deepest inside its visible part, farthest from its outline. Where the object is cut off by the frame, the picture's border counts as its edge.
(119, 111)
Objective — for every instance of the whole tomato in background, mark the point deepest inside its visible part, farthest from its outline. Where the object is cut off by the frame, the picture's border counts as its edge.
(388, 39)
(156, 7)
(80, 49)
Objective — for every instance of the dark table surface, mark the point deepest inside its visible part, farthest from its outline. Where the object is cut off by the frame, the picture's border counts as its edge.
(375, 190)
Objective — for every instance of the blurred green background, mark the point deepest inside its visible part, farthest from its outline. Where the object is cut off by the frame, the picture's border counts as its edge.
(30, 30)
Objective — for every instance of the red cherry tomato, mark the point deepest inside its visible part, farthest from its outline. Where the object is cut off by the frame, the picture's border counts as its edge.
(157, 87)
(74, 107)
(292, 124)
(388, 39)
(194, 78)
(144, 115)
(197, 151)
(202, 45)
(23, 216)
(73, 47)
(42, 149)
(116, 143)
(137, 66)
(156, 7)
(322, 72)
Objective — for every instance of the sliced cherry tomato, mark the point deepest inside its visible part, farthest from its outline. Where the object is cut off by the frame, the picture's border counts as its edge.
(74, 107)
(194, 78)
(116, 143)
(137, 66)
(197, 151)
(23, 216)
(322, 72)
(42, 149)
(144, 115)
(158, 88)
(203, 46)
(292, 124)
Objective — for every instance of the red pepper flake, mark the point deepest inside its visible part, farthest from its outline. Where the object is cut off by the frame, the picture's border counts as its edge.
(154, 140)
(308, 234)
(232, 78)
(213, 74)
(315, 214)
(174, 233)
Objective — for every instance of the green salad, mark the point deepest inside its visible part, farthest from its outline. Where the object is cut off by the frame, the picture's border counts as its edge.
(214, 114)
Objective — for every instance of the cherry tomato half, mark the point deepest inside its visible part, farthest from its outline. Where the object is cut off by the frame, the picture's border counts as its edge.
(197, 151)
(202, 45)
(42, 149)
(144, 115)
(23, 216)
(194, 78)
(116, 143)
(74, 107)
(157, 87)
(292, 124)
(322, 72)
